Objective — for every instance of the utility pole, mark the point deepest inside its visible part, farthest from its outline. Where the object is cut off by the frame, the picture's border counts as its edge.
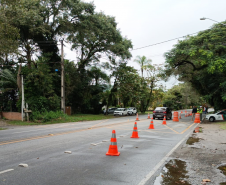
(62, 78)
(22, 103)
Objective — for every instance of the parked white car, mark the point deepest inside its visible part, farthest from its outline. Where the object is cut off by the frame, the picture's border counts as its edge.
(132, 111)
(220, 115)
(120, 112)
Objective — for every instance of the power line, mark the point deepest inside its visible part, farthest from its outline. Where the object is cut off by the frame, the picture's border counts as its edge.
(166, 41)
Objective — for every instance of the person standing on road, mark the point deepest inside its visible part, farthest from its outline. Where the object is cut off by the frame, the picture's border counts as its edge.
(200, 112)
(194, 111)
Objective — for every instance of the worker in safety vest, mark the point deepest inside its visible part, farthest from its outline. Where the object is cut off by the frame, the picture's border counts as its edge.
(199, 110)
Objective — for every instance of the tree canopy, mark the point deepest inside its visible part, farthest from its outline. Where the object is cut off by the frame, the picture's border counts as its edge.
(200, 60)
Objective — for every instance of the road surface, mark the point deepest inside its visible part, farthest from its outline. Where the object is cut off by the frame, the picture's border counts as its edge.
(42, 149)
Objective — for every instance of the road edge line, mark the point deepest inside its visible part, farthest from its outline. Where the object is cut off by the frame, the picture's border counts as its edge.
(152, 172)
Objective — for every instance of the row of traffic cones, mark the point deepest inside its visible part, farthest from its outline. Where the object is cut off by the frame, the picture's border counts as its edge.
(113, 149)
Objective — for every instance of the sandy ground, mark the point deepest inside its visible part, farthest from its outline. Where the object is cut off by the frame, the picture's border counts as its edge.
(205, 156)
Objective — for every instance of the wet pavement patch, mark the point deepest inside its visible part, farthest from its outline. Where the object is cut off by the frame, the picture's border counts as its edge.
(192, 140)
(174, 172)
(223, 183)
(222, 169)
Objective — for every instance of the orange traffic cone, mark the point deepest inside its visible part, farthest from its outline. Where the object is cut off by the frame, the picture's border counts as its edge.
(137, 119)
(135, 132)
(113, 148)
(180, 116)
(164, 121)
(185, 115)
(197, 118)
(149, 116)
(151, 124)
(181, 112)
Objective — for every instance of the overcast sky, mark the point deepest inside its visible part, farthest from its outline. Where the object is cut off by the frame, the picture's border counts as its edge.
(146, 22)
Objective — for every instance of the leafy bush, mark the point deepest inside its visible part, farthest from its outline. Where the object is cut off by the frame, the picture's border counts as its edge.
(43, 117)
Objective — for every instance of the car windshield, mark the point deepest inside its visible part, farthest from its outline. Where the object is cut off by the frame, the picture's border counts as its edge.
(120, 109)
(131, 108)
(160, 108)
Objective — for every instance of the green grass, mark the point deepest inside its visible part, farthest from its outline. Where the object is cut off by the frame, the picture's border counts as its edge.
(72, 118)
(3, 128)
(222, 125)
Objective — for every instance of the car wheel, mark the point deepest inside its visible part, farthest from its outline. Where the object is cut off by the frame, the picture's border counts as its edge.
(153, 117)
(212, 119)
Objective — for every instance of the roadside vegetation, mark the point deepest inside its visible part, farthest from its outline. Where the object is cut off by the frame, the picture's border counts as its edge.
(65, 119)
(3, 128)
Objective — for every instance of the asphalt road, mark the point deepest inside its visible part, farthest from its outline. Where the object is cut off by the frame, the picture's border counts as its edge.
(42, 149)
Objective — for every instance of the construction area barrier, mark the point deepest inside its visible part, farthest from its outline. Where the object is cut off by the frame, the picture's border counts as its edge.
(175, 117)
(197, 118)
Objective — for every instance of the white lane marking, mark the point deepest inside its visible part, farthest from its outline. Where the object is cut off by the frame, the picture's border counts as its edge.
(6, 171)
(152, 172)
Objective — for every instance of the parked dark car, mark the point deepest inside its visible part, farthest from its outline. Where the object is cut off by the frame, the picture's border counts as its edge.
(160, 112)
(110, 111)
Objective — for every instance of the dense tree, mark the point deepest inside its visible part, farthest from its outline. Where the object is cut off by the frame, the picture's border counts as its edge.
(182, 96)
(200, 60)
(8, 90)
(38, 26)
(127, 82)
(148, 83)
(98, 35)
